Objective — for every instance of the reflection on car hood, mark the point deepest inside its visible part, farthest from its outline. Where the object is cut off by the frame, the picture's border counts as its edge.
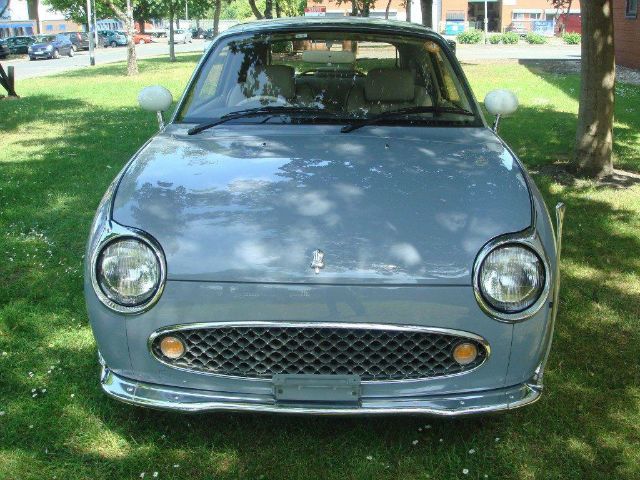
(247, 203)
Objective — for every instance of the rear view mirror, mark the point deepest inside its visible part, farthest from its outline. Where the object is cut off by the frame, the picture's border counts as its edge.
(157, 99)
(500, 103)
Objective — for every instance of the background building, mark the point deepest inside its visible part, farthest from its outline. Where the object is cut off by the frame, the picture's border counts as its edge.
(16, 21)
(626, 30)
(453, 16)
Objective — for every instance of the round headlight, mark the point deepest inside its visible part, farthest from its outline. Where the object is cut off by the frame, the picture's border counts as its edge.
(128, 272)
(512, 278)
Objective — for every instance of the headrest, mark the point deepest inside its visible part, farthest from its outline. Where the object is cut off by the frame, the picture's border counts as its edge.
(327, 56)
(271, 80)
(389, 85)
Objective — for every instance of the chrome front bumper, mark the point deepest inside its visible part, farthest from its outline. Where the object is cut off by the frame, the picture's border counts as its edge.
(193, 401)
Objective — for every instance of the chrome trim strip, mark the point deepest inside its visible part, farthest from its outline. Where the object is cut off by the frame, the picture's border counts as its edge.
(527, 238)
(192, 401)
(111, 232)
(560, 211)
(362, 326)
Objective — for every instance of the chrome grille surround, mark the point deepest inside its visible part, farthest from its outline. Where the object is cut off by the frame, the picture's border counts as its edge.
(376, 352)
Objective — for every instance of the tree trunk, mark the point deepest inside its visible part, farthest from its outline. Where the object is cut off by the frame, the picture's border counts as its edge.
(365, 8)
(132, 59)
(407, 6)
(354, 8)
(172, 47)
(427, 12)
(386, 10)
(127, 18)
(268, 9)
(594, 136)
(254, 10)
(34, 13)
(7, 81)
(216, 18)
(278, 9)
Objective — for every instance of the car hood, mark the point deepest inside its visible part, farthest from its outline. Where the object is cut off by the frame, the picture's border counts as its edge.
(252, 204)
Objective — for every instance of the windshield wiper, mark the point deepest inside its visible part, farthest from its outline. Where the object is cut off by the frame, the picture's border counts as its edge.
(404, 111)
(254, 112)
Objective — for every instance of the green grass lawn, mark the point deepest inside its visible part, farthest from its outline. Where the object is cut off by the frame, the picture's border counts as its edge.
(63, 142)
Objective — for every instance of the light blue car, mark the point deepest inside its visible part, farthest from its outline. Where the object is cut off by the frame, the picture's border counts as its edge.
(326, 225)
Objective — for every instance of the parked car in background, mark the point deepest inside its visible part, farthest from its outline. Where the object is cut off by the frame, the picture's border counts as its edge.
(325, 230)
(79, 40)
(20, 44)
(4, 48)
(182, 36)
(142, 38)
(112, 38)
(198, 32)
(50, 46)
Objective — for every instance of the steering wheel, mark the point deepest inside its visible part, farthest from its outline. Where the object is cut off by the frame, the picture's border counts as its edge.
(262, 99)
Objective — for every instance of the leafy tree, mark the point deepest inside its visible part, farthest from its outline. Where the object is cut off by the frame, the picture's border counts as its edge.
(594, 136)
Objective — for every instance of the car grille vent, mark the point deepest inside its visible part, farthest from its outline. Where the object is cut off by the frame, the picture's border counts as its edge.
(259, 352)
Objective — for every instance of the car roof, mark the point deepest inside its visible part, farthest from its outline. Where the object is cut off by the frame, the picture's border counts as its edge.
(341, 23)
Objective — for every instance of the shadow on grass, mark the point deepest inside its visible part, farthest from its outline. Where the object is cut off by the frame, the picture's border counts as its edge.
(627, 113)
(584, 427)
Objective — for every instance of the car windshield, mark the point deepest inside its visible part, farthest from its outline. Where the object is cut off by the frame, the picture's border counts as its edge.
(341, 76)
(45, 38)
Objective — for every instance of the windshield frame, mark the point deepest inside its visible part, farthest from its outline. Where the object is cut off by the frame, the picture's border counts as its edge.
(360, 28)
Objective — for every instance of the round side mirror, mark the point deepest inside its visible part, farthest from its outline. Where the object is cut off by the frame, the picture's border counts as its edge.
(501, 102)
(155, 98)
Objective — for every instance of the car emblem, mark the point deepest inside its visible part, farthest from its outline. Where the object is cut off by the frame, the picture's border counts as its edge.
(318, 260)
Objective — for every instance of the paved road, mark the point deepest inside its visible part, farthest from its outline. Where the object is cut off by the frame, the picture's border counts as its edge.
(466, 53)
(26, 69)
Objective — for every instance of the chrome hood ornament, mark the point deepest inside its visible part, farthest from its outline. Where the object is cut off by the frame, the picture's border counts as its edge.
(318, 260)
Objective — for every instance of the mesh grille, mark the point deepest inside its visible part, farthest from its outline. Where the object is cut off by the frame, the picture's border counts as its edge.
(260, 352)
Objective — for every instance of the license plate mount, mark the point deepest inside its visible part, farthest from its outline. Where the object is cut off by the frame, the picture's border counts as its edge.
(316, 388)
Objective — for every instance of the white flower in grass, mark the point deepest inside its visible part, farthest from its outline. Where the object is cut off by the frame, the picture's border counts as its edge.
(369, 457)
(30, 426)
(441, 440)
(2, 413)
(427, 426)
(155, 474)
(33, 390)
(497, 439)
(176, 466)
(472, 451)
(73, 395)
(415, 442)
(142, 475)
(465, 471)
(420, 429)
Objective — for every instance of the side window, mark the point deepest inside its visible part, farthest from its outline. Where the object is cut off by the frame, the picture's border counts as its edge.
(380, 55)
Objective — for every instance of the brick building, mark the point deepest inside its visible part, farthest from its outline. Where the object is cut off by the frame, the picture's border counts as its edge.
(626, 30)
(452, 16)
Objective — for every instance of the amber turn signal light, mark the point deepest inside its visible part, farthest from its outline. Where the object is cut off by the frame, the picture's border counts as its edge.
(172, 347)
(465, 353)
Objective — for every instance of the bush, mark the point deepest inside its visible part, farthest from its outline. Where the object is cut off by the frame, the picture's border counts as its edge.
(573, 38)
(470, 36)
(282, 47)
(510, 38)
(535, 38)
(495, 39)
